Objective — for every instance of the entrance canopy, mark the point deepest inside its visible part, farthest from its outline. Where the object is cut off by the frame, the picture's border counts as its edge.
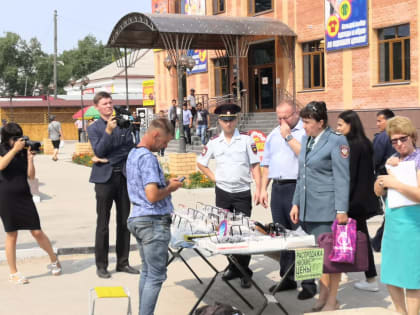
(144, 30)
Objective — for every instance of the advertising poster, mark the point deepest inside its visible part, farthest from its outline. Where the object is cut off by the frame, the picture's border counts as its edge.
(200, 57)
(346, 24)
(160, 6)
(149, 93)
(259, 138)
(195, 7)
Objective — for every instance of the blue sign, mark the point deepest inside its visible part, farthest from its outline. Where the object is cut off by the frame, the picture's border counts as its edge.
(200, 57)
(346, 24)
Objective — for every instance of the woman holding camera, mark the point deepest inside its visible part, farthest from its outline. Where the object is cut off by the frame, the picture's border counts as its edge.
(18, 211)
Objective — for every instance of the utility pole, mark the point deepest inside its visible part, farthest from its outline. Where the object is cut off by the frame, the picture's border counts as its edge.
(55, 54)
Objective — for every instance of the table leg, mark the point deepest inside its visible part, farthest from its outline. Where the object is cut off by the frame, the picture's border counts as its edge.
(178, 254)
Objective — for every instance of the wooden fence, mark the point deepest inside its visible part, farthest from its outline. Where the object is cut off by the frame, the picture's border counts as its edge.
(39, 131)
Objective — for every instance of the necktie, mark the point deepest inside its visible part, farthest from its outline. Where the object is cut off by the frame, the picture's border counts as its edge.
(310, 145)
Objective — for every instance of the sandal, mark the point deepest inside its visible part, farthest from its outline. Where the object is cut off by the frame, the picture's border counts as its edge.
(55, 268)
(18, 278)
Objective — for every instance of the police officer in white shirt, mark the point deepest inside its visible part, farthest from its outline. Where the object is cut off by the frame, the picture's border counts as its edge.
(236, 158)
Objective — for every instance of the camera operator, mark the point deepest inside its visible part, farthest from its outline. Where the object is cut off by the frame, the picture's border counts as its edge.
(17, 210)
(111, 144)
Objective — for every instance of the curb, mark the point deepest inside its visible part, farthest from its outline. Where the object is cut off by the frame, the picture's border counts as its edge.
(37, 252)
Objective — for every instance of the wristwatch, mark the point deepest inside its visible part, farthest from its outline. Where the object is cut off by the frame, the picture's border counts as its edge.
(288, 137)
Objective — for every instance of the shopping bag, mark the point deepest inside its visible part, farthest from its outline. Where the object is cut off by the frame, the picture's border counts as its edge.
(177, 134)
(344, 242)
(361, 262)
(61, 144)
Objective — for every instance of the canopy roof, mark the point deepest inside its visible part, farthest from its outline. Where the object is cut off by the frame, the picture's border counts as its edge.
(143, 30)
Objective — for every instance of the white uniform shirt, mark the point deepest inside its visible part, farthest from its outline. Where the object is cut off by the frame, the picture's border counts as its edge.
(233, 161)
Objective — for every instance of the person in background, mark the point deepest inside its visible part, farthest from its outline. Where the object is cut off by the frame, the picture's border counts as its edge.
(382, 149)
(55, 133)
(187, 119)
(136, 127)
(192, 102)
(111, 145)
(400, 269)
(17, 210)
(79, 125)
(3, 123)
(280, 165)
(362, 178)
(162, 115)
(203, 122)
(322, 188)
(150, 217)
(173, 116)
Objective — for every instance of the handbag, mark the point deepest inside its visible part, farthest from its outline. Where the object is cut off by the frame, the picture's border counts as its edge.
(344, 242)
(177, 134)
(325, 241)
(379, 210)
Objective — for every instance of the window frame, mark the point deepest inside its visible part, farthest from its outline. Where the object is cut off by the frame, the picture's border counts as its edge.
(251, 8)
(217, 10)
(218, 70)
(391, 43)
(311, 54)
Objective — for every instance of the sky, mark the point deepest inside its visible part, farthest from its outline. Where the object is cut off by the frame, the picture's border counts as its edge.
(76, 19)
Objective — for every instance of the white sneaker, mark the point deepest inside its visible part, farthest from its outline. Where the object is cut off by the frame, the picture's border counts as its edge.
(55, 268)
(367, 286)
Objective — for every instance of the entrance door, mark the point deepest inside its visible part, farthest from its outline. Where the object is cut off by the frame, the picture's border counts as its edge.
(262, 88)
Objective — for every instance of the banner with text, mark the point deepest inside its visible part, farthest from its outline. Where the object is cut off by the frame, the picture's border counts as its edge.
(160, 6)
(309, 263)
(149, 93)
(195, 7)
(346, 24)
(200, 57)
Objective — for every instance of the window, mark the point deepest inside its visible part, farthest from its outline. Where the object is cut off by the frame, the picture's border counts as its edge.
(394, 53)
(218, 6)
(257, 6)
(313, 64)
(221, 76)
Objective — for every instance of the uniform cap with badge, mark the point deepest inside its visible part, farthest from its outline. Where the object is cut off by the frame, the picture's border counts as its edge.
(227, 112)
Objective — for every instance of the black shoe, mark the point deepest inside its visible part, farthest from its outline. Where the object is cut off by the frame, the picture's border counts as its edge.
(306, 294)
(287, 284)
(230, 275)
(245, 282)
(127, 269)
(103, 273)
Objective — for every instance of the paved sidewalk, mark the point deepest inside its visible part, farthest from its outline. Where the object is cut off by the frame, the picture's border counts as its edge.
(68, 216)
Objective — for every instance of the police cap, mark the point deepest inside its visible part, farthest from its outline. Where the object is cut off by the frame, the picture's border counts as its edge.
(227, 112)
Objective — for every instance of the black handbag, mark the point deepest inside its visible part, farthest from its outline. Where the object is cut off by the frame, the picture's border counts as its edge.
(378, 210)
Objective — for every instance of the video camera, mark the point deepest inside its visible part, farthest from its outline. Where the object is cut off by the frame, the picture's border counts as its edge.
(122, 117)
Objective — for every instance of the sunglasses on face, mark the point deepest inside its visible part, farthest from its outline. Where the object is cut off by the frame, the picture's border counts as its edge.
(401, 139)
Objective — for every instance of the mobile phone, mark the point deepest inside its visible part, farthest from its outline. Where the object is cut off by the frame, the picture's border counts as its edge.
(181, 179)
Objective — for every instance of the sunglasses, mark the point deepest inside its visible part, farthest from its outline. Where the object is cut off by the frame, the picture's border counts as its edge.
(401, 139)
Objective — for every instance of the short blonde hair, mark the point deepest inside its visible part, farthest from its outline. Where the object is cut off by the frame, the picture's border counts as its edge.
(401, 125)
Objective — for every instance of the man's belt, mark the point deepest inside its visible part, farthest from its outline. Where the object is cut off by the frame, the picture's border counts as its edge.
(117, 169)
(284, 181)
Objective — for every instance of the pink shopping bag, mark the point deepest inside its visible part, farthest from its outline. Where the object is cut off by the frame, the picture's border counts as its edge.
(344, 242)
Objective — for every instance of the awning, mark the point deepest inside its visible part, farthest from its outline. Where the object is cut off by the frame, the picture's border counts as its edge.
(144, 30)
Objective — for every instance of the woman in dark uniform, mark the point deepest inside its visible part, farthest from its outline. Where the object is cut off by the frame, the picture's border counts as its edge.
(18, 211)
(322, 188)
(362, 179)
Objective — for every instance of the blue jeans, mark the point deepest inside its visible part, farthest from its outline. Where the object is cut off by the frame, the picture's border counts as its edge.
(152, 234)
(201, 131)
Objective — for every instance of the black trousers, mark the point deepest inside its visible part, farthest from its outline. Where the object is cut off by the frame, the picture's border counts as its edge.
(187, 134)
(281, 203)
(79, 132)
(173, 122)
(115, 189)
(240, 202)
(362, 226)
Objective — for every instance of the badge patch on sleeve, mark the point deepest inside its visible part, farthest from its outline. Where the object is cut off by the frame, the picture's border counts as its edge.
(204, 151)
(345, 151)
(254, 148)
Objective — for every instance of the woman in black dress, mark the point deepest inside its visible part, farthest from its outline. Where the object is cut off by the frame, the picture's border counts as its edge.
(17, 210)
(362, 179)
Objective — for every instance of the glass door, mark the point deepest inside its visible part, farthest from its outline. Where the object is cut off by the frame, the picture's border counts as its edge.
(262, 89)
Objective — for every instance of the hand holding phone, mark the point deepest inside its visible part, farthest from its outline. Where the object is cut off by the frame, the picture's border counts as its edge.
(181, 179)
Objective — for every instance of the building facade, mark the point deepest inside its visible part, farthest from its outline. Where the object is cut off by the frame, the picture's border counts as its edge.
(380, 72)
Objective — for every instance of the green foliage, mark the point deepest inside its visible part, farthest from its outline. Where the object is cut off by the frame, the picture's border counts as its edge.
(83, 159)
(23, 65)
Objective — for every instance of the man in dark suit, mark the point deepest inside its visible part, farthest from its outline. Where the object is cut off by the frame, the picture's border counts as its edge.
(111, 144)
